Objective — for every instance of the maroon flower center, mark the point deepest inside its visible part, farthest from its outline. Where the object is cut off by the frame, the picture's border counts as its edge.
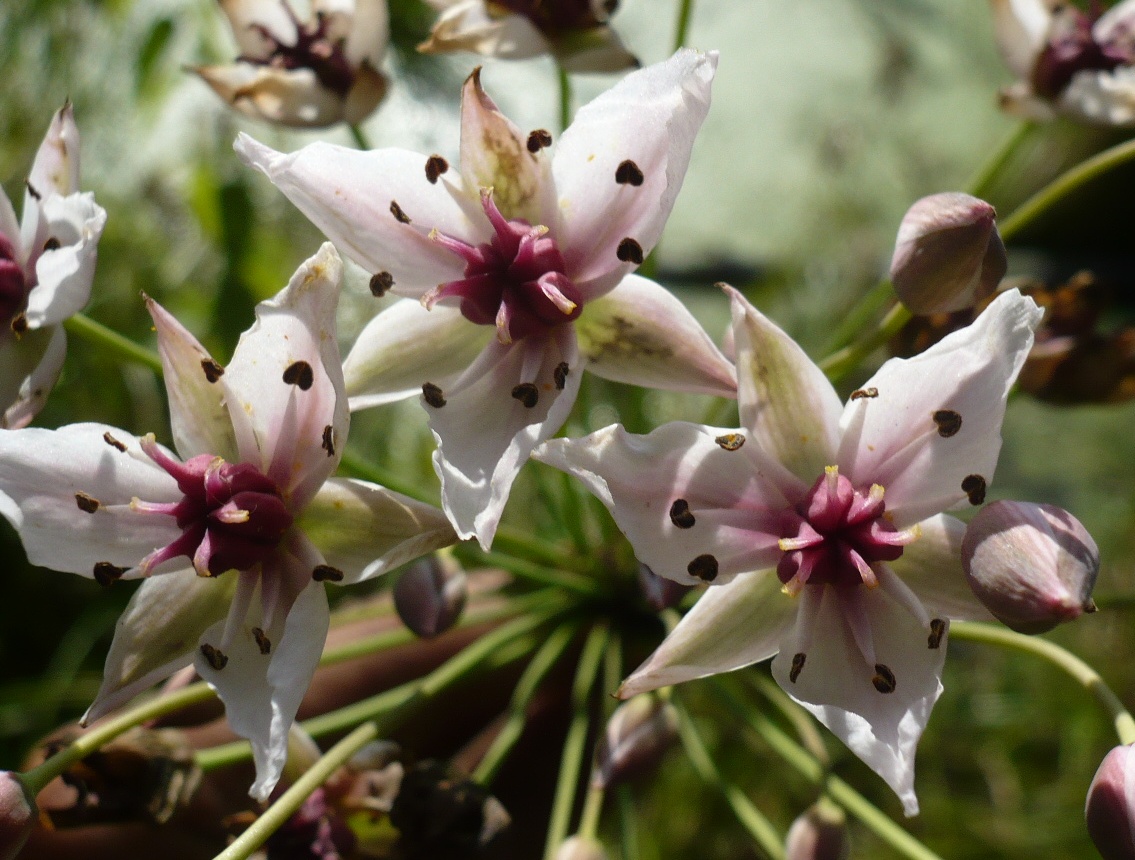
(314, 49)
(1072, 48)
(515, 281)
(231, 515)
(835, 534)
(13, 285)
(555, 17)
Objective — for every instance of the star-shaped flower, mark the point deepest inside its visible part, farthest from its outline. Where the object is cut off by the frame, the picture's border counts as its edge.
(819, 525)
(1068, 61)
(535, 250)
(236, 538)
(47, 264)
(307, 73)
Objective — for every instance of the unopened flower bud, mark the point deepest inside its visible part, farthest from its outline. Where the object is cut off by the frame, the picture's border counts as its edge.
(1110, 807)
(819, 833)
(430, 595)
(949, 255)
(660, 592)
(17, 815)
(581, 848)
(637, 735)
(1033, 566)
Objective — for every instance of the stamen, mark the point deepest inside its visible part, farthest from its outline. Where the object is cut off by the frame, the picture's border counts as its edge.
(628, 173)
(797, 666)
(262, 640)
(937, 631)
(19, 323)
(397, 212)
(107, 574)
(300, 374)
(213, 657)
(730, 441)
(326, 573)
(949, 422)
(974, 487)
(527, 393)
(630, 251)
(435, 167)
(704, 567)
(212, 370)
(86, 503)
(52, 244)
(884, 678)
(433, 395)
(112, 442)
(860, 393)
(559, 375)
(329, 440)
(680, 514)
(380, 284)
(539, 139)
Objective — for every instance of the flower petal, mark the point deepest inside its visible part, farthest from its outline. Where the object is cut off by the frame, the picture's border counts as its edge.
(365, 530)
(369, 32)
(352, 197)
(640, 333)
(157, 634)
(931, 431)
(597, 49)
(786, 402)
(932, 567)
(732, 507)
(29, 367)
(835, 683)
(64, 274)
(293, 97)
(731, 626)
(485, 432)
(56, 166)
(1115, 24)
(198, 415)
(468, 26)
(41, 473)
(1021, 28)
(1102, 97)
(405, 346)
(250, 18)
(284, 384)
(650, 119)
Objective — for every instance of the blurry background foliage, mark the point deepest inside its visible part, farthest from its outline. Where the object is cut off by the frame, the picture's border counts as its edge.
(829, 118)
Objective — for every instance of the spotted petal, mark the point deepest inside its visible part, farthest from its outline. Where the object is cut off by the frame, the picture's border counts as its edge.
(64, 274)
(932, 567)
(293, 97)
(56, 166)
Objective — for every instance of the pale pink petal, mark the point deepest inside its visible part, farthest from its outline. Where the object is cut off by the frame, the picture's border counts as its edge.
(640, 333)
(932, 567)
(364, 530)
(64, 274)
(731, 626)
(29, 367)
(649, 118)
(731, 506)
(369, 31)
(41, 471)
(198, 416)
(1021, 28)
(157, 634)
(786, 402)
(349, 195)
(247, 17)
(468, 26)
(405, 346)
(293, 97)
(931, 430)
(286, 381)
(1117, 24)
(10, 227)
(835, 683)
(56, 166)
(484, 434)
(1102, 97)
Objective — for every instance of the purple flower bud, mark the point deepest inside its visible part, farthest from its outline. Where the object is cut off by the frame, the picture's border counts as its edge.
(1033, 566)
(580, 848)
(17, 815)
(1110, 806)
(430, 595)
(819, 833)
(949, 255)
(637, 735)
(660, 592)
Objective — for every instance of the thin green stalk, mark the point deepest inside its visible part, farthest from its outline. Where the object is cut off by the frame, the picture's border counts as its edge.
(359, 136)
(801, 721)
(1077, 669)
(980, 182)
(575, 743)
(682, 30)
(565, 97)
(543, 575)
(612, 676)
(751, 818)
(840, 363)
(96, 333)
(292, 799)
(628, 825)
(861, 314)
(544, 661)
(359, 467)
(592, 807)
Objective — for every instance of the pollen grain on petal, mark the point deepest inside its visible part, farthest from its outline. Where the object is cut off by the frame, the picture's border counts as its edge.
(435, 167)
(214, 657)
(328, 444)
(539, 139)
(798, 661)
(937, 631)
(704, 567)
(630, 251)
(380, 284)
(730, 441)
(884, 678)
(106, 573)
(527, 393)
(629, 173)
(974, 487)
(397, 212)
(212, 370)
(326, 573)
(680, 514)
(433, 395)
(861, 393)
(112, 442)
(300, 374)
(560, 374)
(87, 503)
(949, 422)
(262, 641)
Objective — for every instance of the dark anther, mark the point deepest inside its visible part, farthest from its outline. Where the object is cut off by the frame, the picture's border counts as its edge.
(539, 139)
(680, 514)
(884, 678)
(397, 212)
(86, 503)
(704, 567)
(262, 640)
(380, 283)
(107, 573)
(32, 191)
(435, 167)
(949, 422)
(937, 631)
(860, 393)
(326, 573)
(214, 657)
(433, 395)
(299, 373)
(527, 393)
(628, 173)
(559, 375)
(797, 666)
(19, 323)
(974, 487)
(730, 441)
(52, 244)
(213, 371)
(112, 442)
(629, 251)
(329, 440)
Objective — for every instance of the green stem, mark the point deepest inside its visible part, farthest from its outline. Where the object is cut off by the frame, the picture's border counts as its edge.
(543, 575)
(628, 825)
(800, 720)
(1081, 672)
(682, 30)
(576, 741)
(840, 363)
(546, 658)
(980, 182)
(858, 318)
(592, 807)
(359, 136)
(292, 799)
(84, 327)
(359, 467)
(612, 675)
(751, 818)
(565, 97)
